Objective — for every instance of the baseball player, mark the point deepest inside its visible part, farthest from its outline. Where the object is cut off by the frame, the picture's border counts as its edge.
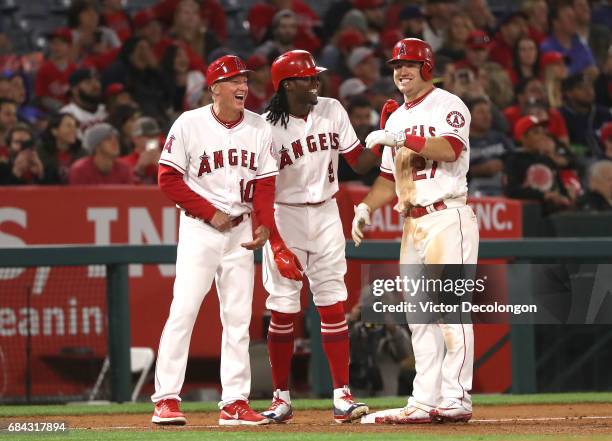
(425, 166)
(308, 135)
(217, 166)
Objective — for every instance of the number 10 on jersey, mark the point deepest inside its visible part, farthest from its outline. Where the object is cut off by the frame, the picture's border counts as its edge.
(247, 190)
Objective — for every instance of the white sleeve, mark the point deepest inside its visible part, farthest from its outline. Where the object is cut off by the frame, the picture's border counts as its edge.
(387, 164)
(454, 120)
(267, 165)
(174, 153)
(348, 138)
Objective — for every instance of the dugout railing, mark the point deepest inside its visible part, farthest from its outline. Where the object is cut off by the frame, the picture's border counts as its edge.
(116, 259)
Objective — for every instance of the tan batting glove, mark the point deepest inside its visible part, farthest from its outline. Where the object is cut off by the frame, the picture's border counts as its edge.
(362, 218)
(385, 137)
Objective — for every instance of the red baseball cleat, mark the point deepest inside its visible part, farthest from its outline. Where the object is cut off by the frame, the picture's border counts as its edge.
(168, 412)
(240, 413)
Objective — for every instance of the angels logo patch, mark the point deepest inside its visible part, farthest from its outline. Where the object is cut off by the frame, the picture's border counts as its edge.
(455, 119)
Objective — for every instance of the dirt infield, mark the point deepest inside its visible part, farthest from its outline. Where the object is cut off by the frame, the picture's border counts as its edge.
(566, 419)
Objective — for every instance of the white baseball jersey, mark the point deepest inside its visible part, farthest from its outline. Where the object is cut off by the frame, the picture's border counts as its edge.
(85, 118)
(439, 113)
(218, 162)
(307, 153)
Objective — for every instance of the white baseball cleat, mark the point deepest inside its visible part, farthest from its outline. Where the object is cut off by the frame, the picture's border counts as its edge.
(346, 409)
(411, 414)
(451, 412)
(279, 411)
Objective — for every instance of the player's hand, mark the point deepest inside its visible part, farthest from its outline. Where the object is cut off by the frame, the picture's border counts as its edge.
(221, 221)
(261, 237)
(385, 137)
(388, 108)
(362, 218)
(288, 264)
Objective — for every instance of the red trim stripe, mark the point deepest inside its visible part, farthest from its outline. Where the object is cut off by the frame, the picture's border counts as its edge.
(227, 125)
(172, 164)
(419, 100)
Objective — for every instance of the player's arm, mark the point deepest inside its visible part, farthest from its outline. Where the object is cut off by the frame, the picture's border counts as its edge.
(171, 183)
(437, 148)
(362, 160)
(381, 193)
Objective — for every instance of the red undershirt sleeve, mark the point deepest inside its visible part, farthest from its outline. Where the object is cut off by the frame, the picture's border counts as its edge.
(263, 201)
(172, 185)
(352, 156)
(456, 144)
(386, 175)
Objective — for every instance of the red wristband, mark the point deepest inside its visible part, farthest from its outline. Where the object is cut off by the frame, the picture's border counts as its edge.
(414, 142)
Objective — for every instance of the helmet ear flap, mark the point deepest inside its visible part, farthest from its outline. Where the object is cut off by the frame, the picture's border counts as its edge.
(426, 71)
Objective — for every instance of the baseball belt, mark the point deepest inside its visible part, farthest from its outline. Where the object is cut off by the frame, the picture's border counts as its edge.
(418, 211)
(235, 221)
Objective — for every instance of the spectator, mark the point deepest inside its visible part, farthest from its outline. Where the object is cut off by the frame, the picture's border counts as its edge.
(374, 12)
(115, 95)
(529, 172)
(497, 84)
(284, 31)
(476, 54)
(488, 149)
(102, 165)
(480, 14)
(335, 53)
(583, 116)
(212, 15)
(388, 39)
(438, 13)
(85, 99)
(525, 61)
(8, 118)
(260, 85)
(123, 119)
(596, 37)
(261, 22)
(411, 23)
(606, 140)
(603, 84)
(188, 28)
(145, 138)
(334, 14)
(137, 68)
(60, 148)
(511, 28)
(564, 39)
(185, 85)
(116, 18)
(456, 42)
(84, 20)
(351, 88)
(18, 92)
(531, 91)
(599, 195)
(52, 86)
(360, 113)
(382, 90)
(364, 65)
(553, 71)
(22, 166)
(537, 18)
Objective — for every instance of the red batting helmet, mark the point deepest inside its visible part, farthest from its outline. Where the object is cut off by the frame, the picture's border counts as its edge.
(413, 49)
(225, 67)
(294, 64)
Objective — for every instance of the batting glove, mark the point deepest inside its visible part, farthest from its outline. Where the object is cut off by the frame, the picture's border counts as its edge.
(362, 218)
(287, 262)
(385, 137)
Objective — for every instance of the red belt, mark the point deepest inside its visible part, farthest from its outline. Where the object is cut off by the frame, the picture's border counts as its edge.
(235, 221)
(417, 211)
(305, 204)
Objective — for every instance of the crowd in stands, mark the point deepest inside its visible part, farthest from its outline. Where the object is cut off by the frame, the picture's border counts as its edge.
(537, 79)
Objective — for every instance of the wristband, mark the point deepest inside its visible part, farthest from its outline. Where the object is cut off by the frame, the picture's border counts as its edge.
(414, 142)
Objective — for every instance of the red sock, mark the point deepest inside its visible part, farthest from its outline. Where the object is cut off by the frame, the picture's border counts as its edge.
(280, 348)
(334, 335)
